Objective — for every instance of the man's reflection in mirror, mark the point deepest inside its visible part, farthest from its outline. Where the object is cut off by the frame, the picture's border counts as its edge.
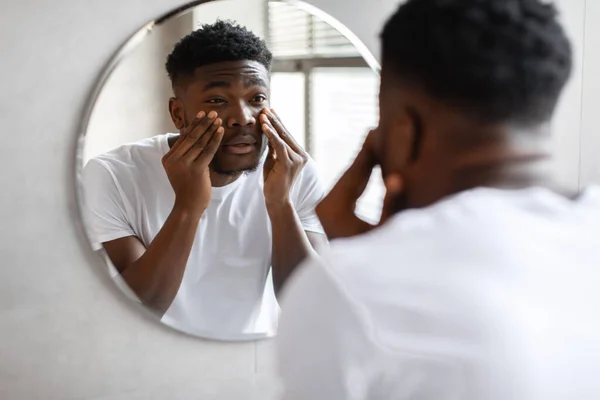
(206, 224)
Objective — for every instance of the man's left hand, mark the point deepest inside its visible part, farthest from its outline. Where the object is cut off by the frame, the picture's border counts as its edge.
(284, 161)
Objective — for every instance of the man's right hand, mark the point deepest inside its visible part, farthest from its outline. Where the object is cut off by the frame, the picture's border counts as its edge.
(337, 210)
(187, 163)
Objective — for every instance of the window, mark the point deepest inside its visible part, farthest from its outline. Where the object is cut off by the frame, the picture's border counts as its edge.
(326, 93)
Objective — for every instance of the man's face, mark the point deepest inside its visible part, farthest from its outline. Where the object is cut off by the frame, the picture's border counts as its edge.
(237, 91)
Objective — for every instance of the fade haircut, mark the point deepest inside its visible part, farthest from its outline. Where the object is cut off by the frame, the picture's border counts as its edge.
(214, 43)
(499, 61)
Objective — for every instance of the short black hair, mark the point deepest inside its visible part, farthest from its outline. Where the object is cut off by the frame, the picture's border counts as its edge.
(501, 61)
(214, 43)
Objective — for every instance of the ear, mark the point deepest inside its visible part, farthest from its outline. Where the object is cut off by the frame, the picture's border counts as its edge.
(400, 144)
(177, 113)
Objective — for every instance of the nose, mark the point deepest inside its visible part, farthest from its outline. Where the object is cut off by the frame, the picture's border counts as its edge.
(241, 115)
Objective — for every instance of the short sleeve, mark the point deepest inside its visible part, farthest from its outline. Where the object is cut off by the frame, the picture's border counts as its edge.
(309, 192)
(105, 213)
(322, 350)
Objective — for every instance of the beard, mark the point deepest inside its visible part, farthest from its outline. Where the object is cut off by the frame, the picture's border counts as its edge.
(214, 166)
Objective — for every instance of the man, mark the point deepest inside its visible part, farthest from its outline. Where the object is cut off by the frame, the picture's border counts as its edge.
(200, 225)
(481, 281)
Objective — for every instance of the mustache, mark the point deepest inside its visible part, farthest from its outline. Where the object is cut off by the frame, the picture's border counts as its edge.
(237, 135)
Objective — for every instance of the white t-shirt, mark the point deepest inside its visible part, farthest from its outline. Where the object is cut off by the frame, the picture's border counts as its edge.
(487, 295)
(227, 290)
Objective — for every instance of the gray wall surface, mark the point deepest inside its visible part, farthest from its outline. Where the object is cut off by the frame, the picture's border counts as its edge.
(65, 331)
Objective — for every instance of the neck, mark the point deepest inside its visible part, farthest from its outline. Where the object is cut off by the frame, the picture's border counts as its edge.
(514, 162)
(219, 180)
(509, 162)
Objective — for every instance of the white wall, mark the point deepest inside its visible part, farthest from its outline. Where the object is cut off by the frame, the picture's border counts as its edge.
(65, 331)
(567, 121)
(590, 113)
(248, 13)
(133, 104)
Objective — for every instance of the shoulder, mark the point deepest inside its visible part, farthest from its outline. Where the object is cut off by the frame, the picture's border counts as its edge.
(308, 180)
(433, 254)
(128, 158)
(309, 171)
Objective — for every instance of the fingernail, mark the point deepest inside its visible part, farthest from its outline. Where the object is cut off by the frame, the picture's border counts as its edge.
(201, 114)
(220, 130)
(218, 121)
(212, 114)
(273, 110)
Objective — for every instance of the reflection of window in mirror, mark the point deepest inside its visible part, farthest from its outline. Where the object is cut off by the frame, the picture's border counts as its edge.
(326, 93)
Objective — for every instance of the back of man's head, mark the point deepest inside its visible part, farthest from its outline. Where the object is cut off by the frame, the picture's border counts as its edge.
(499, 61)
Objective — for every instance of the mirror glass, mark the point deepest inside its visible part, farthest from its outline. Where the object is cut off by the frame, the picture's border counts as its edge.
(206, 240)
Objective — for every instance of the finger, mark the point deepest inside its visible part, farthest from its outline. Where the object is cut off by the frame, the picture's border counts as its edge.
(283, 132)
(211, 148)
(201, 143)
(270, 160)
(194, 132)
(346, 192)
(280, 147)
(271, 118)
(355, 179)
(271, 153)
(181, 137)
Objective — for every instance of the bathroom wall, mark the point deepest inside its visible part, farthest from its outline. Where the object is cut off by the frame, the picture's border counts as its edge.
(590, 95)
(65, 331)
(135, 105)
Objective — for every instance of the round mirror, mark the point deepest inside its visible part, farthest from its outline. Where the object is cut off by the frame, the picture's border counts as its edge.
(210, 139)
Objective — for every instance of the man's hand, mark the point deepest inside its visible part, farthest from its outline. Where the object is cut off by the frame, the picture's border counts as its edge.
(284, 161)
(337, 211)
(186, 164)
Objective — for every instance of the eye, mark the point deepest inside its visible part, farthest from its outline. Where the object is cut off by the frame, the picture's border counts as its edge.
(260, 98)
(216, 101)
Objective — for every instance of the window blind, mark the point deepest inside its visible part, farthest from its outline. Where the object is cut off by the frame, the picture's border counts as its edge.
(295, 33)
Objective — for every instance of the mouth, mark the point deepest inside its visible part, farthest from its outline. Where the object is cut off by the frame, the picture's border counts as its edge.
(239, 149)
(240, 145)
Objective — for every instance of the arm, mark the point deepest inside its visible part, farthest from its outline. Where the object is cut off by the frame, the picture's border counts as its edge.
(155, 273)
(294, 224)
(291, 244)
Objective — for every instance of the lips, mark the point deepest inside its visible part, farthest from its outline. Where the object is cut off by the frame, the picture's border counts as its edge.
(241, 140)
(240, 145)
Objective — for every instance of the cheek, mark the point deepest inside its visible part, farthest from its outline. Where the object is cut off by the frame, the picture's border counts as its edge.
(257, 109)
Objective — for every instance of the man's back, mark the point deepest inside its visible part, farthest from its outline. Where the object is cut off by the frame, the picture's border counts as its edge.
(488, 294)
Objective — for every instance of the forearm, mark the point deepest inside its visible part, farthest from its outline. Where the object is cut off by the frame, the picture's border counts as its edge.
(156, 276)
(290, 245)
